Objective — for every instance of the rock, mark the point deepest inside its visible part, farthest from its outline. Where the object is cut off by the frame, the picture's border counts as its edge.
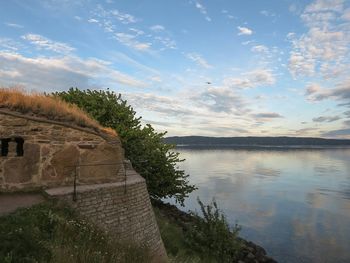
(65, 160)
(104, 162)
(22, 169)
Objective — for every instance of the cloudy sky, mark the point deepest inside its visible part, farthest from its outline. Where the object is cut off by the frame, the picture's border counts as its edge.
(192, 67)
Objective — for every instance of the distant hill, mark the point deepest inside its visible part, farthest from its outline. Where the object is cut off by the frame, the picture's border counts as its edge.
(202, 141)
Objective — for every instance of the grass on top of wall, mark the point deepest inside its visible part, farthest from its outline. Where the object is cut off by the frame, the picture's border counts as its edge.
(52, 108)
(53, 233)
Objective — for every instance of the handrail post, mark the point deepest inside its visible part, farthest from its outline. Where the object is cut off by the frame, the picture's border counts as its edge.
(75, 185)
(124, 180)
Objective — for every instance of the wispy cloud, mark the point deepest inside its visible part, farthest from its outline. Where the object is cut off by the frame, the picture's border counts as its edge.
(267, 13)
(203, 10)
(221, 99)
(260, 49)
(14, 25)
(199, 60)
(267, 115)
(131, 41)
(341, 92)
(9, 44)
(244, 31)
(92, 20)
(157, 28)
(58, 73)
(123, 17)
(42, 42)
(326, 118)
(251, 79)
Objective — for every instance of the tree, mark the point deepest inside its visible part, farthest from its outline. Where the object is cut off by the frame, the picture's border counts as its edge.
(143, 146)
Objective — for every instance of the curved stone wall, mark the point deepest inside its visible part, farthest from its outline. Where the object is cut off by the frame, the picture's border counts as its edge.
(123, 209)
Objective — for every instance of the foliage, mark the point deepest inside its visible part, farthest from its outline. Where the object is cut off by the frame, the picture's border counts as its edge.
(145, 148)
(211, 236)
(174, 239)
(52, 233)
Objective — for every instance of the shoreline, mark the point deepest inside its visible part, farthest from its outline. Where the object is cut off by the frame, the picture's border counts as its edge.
(250, 253)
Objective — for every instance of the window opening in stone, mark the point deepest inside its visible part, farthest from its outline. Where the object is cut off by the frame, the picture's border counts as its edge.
(5, 147)
(19, 148)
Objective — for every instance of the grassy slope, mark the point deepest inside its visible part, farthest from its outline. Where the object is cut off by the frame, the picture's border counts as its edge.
(53, 233)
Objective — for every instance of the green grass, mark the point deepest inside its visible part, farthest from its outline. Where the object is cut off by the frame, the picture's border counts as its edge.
(50, 232)
(174, 240)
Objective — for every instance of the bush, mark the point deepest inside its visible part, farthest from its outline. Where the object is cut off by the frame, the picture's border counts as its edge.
(52, 233)
(211, 236)
(150, 156)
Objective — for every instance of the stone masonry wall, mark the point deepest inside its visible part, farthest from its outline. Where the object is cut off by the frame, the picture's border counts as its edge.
(51, 150)
(124, 210)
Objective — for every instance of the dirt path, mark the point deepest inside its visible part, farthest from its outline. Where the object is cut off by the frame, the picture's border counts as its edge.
(11, 202)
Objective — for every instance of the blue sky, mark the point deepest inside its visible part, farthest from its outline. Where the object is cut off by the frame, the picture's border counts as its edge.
(190, 67)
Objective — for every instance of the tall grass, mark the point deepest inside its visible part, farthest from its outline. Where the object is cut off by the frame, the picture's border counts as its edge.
(52, 108)
(53, 233)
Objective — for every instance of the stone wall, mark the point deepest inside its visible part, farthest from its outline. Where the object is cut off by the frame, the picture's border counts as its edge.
(122, 209)
(51, 150)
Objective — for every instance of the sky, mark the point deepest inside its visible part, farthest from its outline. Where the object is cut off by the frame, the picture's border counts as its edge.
(191, 67)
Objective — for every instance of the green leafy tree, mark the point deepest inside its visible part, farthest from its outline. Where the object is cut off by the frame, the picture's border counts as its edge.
(143, 146)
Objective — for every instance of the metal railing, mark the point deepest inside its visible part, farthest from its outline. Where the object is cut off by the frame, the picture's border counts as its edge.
(93, 165)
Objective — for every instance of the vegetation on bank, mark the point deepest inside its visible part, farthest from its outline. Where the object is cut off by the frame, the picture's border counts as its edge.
(202, 238)
(51, 232)
(145, 148)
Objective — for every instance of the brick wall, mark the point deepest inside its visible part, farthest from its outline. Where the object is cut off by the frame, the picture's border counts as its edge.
(122, 209)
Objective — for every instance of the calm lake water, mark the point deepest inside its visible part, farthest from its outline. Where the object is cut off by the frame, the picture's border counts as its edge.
(293, 202)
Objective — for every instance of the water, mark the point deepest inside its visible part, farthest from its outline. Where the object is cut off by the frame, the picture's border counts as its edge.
(293, 202)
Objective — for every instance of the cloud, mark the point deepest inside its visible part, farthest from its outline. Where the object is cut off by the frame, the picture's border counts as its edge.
(203, 10)
(9, 44)
(267, 13)
(157, 28)
(92, 20)
(252, 79)
(340, 92)
(244, 31)
(326, 119)
(260, 49)
(124, 18)
(42, 42)
(325, 5)
(346, 15)
(13, 25)
(157, 104)
(267, 115)
(131, 41)
(199, 60)
(340, 133)
(221, 99)
(58, 73)
(324, 47)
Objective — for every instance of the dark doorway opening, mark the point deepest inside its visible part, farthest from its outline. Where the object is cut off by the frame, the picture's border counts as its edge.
(19, 148)
(5, 147)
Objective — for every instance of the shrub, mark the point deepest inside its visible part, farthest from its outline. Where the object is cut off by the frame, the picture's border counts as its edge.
(211, 236)
(145, 148)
